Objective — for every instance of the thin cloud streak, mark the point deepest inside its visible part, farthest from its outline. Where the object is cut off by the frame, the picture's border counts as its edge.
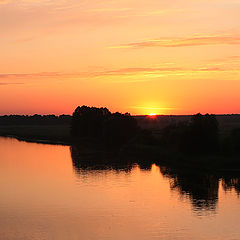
(9, 83)
(109, 10)
(32, 75)
(153, 108)
(183, 42)
(117, 72)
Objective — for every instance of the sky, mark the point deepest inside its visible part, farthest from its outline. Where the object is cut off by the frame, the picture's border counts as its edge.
(152, 56)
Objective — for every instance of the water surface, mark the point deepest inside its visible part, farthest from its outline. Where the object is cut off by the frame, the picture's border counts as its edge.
(45, 194)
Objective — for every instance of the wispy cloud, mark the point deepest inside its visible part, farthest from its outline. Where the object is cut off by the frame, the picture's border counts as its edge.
(228, 59)
(129, 71)
(32, 75)
(109, 10)
(160, 12)
(138, 74)
(10, 83)
(114, 72)
(23, 40)
(4, 1)
(183, 42)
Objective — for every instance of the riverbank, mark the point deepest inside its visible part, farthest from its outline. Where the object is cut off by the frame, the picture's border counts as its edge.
(45, 134)
(60, 135)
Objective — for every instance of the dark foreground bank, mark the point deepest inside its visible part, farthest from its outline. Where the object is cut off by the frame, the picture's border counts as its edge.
(49, 134)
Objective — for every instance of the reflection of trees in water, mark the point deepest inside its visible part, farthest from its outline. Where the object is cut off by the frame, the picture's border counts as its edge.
(231, 183)
(202, 189)
(97, 160)
(88, 159)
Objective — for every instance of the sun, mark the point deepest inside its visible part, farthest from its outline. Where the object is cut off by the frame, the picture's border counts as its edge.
(152, 114)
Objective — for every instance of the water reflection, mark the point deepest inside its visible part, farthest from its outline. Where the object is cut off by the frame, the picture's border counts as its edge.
(200, 188)
(97, 161)
(231, 182)
(41, 197)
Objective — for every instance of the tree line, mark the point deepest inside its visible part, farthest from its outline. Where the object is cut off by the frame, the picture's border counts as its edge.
(198, 136)
(112, 129)
(35, 119)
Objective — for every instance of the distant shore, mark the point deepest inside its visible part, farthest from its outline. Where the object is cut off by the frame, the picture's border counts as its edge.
(35, 140)
(158, 140)
(45, 134)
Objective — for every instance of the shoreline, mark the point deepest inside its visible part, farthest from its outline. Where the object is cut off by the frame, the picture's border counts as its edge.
(36, 140)
(214, 162)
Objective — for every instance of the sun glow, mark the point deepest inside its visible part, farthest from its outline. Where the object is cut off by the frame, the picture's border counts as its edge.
(152, 114)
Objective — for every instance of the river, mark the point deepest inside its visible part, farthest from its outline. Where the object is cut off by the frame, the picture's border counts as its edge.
(47, 194)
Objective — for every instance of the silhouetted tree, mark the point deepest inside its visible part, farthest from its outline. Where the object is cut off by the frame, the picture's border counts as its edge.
(119, 129)
(35, 119)
(175, 136)
(88, 121)
(203, 133)
(198, 136)
(99, 123)
(231, 143)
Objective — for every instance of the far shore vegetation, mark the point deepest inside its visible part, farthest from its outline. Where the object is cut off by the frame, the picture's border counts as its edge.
(202, 141)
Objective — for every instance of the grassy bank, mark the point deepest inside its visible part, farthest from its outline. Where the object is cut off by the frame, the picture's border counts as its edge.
(51, 134)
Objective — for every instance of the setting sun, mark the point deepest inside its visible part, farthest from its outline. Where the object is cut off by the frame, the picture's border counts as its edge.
(152, 114)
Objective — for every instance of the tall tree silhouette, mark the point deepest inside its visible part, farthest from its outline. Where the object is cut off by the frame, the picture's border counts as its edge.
(100, 124)
(88, 121)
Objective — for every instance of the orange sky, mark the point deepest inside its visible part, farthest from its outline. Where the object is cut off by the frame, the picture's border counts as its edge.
(155, 56)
